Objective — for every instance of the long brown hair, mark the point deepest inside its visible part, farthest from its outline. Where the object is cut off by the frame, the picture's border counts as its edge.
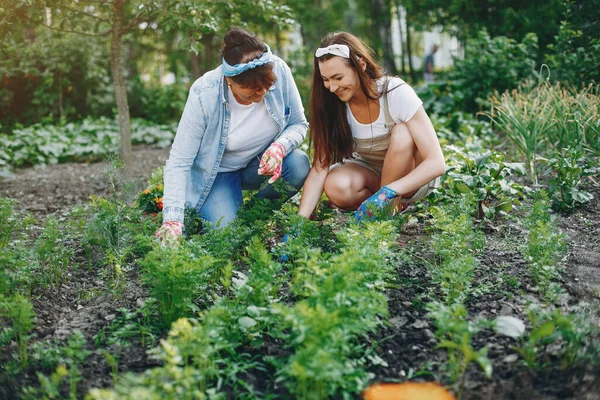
(330, 131)
(240, 46)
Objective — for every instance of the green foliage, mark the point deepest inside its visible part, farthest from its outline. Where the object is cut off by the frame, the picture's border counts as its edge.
(493, 64)
(49, 386)
(338, 305)
(545, 244)
(13, 223)
(18, 311)
(157, 104)
(48, 76)
(456, 333)
(460, 128)
(87, 140)
(569, 334)
(53, 254)
(176, 278)
(575, 54)
(113, 226)
(485, 175)
(150, 200)
(576, 121)
(441, 98)
(70, 357)
(568, 169)
(526, 118)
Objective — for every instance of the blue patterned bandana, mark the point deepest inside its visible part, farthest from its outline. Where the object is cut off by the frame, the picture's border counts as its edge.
(233, 70)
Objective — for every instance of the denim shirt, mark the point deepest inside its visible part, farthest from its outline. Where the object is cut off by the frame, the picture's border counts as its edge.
(202, 135)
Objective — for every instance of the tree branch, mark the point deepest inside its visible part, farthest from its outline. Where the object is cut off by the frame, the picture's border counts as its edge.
(86, 13)
(77, 32)
(135, 21)
(22, 15)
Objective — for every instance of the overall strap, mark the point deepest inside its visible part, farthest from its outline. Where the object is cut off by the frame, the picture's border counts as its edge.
(389, 121)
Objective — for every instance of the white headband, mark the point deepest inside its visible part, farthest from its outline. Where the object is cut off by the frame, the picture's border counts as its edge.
(335, 49)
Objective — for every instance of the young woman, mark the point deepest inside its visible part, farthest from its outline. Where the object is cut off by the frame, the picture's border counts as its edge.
(374, 143)
(242, 121)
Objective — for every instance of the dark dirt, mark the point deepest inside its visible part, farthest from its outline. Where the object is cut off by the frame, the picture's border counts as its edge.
(407, 345)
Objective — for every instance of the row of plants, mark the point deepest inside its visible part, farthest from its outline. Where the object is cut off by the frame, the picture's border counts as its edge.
(237, 304)
(88, 140)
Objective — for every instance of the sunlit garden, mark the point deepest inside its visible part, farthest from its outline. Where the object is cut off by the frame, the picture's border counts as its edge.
(487, 288)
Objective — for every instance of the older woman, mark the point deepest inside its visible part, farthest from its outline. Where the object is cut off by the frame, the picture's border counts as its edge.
(242, 122)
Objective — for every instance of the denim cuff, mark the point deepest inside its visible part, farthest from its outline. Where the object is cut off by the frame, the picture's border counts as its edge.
(173, 214)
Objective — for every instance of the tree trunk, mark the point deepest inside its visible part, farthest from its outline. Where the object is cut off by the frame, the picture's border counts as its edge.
(409, 53)
(196, 66)
(209, 62)
(125, 152)
(397, 5)
(61, 109)
(385, 32)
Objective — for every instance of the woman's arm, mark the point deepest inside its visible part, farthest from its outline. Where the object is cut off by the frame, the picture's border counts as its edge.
(312, 190)
(428, 145)
(183, 152)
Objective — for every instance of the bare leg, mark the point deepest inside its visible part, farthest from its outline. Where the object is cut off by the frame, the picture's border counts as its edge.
(402, 156)
(349, 184)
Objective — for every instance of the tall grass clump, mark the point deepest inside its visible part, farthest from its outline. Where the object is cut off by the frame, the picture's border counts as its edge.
(526, 117)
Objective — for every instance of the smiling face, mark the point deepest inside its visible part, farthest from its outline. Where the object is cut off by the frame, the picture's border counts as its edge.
(340, 79)
(246, 95)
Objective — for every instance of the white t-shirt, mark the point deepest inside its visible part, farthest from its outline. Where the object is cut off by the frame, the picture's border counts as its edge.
(251, 130)
(403, 103)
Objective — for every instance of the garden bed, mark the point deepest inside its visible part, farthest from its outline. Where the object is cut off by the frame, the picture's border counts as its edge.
(406, 347)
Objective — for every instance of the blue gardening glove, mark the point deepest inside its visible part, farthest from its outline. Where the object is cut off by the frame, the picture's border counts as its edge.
(379, 200)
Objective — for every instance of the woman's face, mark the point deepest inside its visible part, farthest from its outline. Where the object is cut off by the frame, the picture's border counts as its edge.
(339, 78)
(246, 95)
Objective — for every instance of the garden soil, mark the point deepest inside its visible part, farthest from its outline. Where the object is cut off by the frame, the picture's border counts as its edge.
(406, 347)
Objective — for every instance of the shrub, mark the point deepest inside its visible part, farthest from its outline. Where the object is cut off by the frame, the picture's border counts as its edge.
(490, 64)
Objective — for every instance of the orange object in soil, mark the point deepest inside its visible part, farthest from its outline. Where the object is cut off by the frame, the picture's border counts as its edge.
(407, 391)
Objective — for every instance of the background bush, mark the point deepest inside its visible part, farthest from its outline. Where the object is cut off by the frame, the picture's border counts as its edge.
(490, 64)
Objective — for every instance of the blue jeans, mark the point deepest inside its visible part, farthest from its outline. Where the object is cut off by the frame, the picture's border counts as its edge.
(225, 196)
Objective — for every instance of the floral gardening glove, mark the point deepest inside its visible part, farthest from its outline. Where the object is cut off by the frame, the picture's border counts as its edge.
(170, 233)
(270, 163)
(379, 200)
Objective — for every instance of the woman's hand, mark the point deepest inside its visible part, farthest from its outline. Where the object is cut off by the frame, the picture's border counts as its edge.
(270, 163)
(170, 233)
(377, 201)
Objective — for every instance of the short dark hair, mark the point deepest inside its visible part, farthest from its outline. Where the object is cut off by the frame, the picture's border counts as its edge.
(240, 46)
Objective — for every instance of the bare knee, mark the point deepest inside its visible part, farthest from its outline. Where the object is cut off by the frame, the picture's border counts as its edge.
(340, 191)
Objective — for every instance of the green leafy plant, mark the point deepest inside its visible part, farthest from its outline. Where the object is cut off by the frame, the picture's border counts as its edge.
(176, 278)
(53, 254)
(455, 332)
(19, 312)
(12, 222)
(90, 139)
(49, 386)
(150, 199)
(486, 176)
(568, 169)
(545, 243)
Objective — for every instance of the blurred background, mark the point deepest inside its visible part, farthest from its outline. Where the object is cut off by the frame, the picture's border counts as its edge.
(56, 57)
